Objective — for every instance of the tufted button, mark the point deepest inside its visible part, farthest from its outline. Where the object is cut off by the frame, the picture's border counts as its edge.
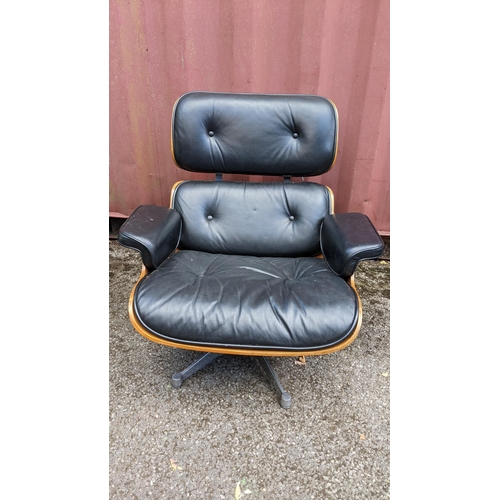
(209, 217)
(291, 217)
(211, 134)
(295, 135)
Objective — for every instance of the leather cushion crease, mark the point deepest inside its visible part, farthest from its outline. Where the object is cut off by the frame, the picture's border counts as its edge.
(260, 134)
(246, 302)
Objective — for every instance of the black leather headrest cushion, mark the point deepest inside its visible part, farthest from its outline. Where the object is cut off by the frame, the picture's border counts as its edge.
(254, 134)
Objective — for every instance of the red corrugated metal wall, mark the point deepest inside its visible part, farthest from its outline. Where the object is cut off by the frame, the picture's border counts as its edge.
(335, 48)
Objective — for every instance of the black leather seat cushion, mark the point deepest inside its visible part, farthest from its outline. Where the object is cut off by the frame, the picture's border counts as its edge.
(244, 301)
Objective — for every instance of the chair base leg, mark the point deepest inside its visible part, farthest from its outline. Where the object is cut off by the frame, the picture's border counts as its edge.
(285, 397)
(207, 358)
(200, 363)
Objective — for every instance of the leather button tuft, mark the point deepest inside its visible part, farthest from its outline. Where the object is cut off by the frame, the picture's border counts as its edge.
(295, 135)
(211, 134)
(291, 217)
(209, 217)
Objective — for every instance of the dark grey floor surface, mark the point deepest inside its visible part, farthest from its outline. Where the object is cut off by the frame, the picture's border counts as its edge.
(223, 434)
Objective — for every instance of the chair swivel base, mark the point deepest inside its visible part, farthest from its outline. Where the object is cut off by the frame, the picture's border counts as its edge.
(285, 397)
(199, 364)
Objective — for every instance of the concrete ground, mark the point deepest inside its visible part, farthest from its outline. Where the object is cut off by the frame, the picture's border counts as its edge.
(224, 435)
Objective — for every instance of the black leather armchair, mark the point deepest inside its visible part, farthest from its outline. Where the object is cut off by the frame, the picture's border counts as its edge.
(250, 268)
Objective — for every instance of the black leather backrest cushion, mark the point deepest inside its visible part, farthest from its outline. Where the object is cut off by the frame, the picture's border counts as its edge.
(254, 134)
(243, 218)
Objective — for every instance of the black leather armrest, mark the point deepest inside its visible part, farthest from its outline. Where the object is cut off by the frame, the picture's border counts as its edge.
(346, 239)
(153, 231)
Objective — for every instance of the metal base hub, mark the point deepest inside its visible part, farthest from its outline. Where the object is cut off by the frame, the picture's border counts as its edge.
(285, 397)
